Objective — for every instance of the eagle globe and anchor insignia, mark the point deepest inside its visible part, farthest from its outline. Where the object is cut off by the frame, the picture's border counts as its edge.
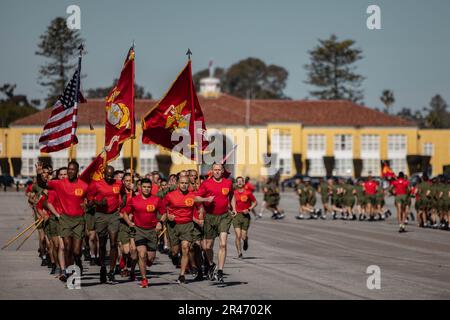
(117, 113)
(175, 119)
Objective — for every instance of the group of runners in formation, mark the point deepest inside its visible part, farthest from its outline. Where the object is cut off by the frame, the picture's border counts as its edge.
(365, 200)
(182, 216)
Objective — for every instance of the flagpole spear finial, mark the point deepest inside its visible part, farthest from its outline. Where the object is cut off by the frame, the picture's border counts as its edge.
(81, 48)
(189, 53)
(133, 44)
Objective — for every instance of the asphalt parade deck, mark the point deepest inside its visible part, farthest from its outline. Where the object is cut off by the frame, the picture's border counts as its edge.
(287, 259)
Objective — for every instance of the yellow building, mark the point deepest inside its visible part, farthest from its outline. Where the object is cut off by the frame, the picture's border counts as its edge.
(308, 137)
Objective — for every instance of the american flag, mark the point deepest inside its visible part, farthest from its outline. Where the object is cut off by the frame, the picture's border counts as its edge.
(59, 131)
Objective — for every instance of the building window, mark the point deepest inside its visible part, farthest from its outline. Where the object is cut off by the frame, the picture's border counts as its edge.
(84, 162)
(87, 143)
(316, 149)
(370, 143)
(397, 143)
(316, 142)
(397, 150)
(398, 165)
(30, 153)
(370, 154)
(30, 142)
(428, 149)
(343, 167)
(343, 142)
(316, 168)
(147, 158)
(371, 167)
(118, 163)
(28, 168)
(59, 159)
(282, 147)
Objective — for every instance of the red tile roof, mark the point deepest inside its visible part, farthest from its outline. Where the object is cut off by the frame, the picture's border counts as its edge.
(229, 110)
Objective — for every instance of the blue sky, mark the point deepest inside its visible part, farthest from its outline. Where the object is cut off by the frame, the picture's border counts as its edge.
(410, 55)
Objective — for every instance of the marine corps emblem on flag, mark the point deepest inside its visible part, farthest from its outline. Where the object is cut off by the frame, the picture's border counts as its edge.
(189, 202)
(225, 191)
(118, 114)
(176, 119)
(150, 208)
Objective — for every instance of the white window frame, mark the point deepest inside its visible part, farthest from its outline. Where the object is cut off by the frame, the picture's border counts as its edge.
(147, 158)
(30, 153)
(315, 151)
(371, 166)
(343, 171)
(282, 146)
(428, 149)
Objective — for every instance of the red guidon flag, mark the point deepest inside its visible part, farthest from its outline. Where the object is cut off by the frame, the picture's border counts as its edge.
(387, 172)
(95, 170)
(120, 124)
(178, 111)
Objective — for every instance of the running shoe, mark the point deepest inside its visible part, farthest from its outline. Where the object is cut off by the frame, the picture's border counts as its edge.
(300, 217)
(63, 277)
(44, 262)
(240, 256)
(334, 215)
(181, 280)
(53, 271)
(144, 283)
(280, 216)
(112, 278)
(245, 247)
(219, 276)
(212, 271)
(199, 276)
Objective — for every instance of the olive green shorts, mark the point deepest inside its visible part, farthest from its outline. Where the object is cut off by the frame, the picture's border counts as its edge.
(170, 225)
(197, 233)
(90, 221)
(362, 201)
(372, 199)
(146, 237)
(241, 221)
(106, 222)
(273, 201)
(52, 227)
(423, 204)
(125, 233)
(72, 226)
(216, 224)
(311, 201)
(349, 202)
(302, 201)
(182, 232)
(401, 199)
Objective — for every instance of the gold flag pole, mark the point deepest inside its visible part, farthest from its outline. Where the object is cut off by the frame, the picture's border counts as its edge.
(29, 235)
(132, 159)
(19, 235)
